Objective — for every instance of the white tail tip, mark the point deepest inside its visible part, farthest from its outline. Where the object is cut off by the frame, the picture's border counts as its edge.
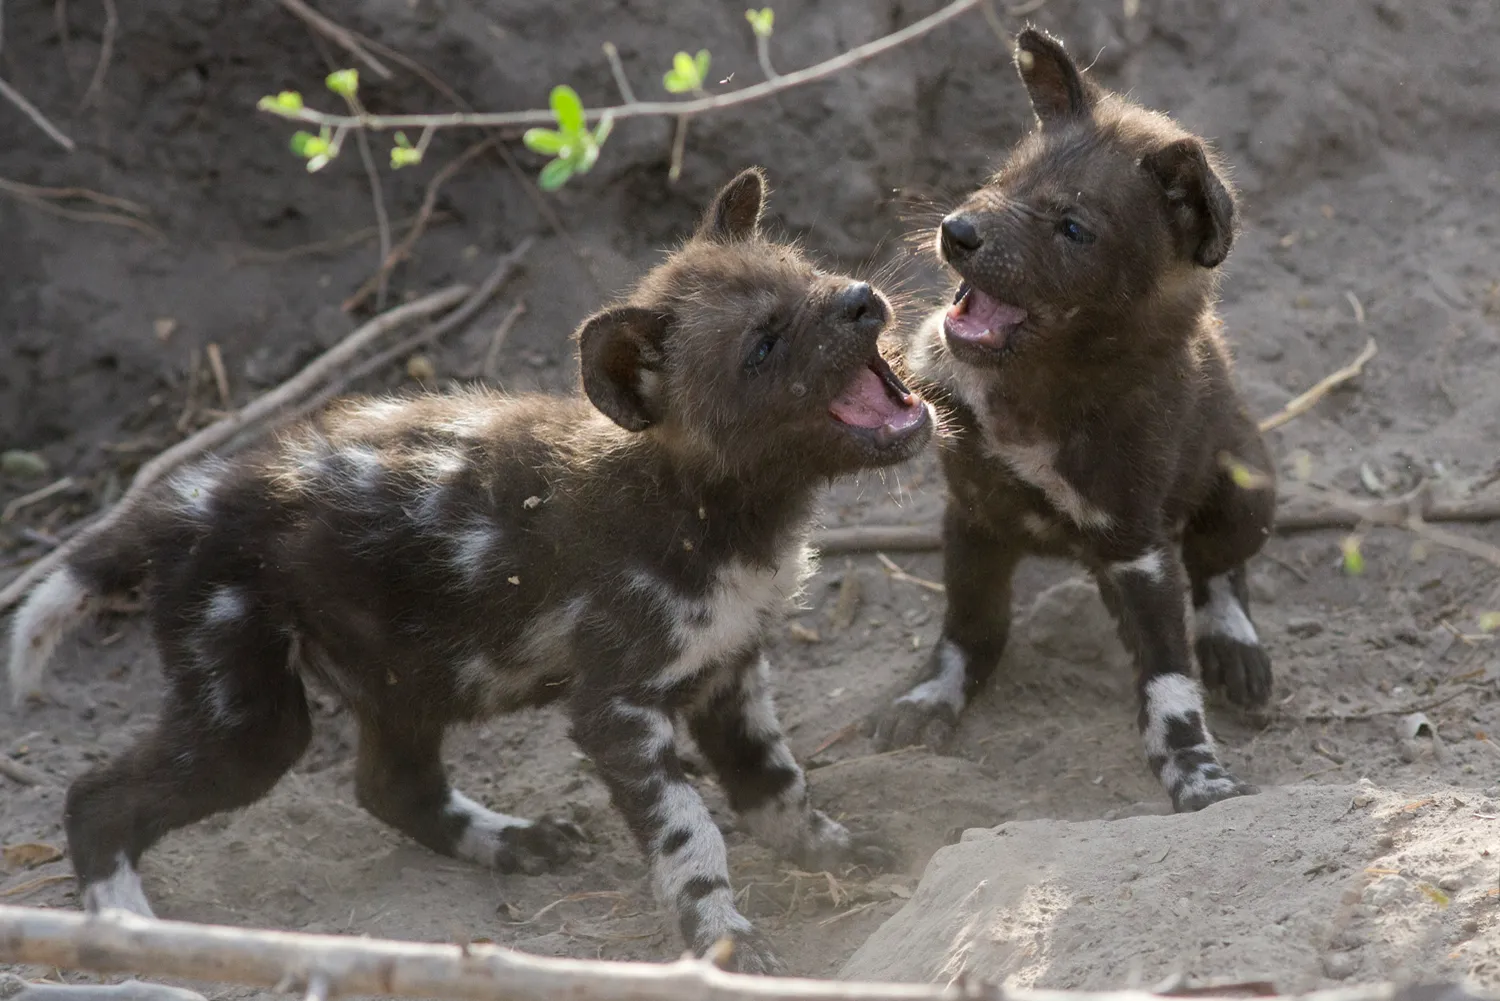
(57, 606)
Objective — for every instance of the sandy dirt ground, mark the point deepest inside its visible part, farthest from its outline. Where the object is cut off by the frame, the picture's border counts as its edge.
(1363, 141)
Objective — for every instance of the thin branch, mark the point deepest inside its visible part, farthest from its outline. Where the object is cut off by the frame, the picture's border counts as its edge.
(54, 194)
(679, 146)
(763, 55)
(38, 119)
(36, 496)
(490, 367)
(256, 255)
(424, 215)
(130, 990)
(115, 941)
(487, 289)
(382, 220)
(1309, 399)
(627, 93)
(23, 192)
(337, 34)
(1408, 710)
(255, 412)
(645, 109)
(106, 54)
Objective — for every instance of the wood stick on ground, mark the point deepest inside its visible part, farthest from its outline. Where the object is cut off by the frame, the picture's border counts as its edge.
(1306, 401)
(1420, 707)
(424, 214)
(337, 34)
(106, 54)
(24, 774)
(36, 496)
(255, 412)
(130, 990)
(87, 194)
(348, 965)
(43, 198)
(489, 368)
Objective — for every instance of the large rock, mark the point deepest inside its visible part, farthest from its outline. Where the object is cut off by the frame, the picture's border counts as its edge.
(1301, 886)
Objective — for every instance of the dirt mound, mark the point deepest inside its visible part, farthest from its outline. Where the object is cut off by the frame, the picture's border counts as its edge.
(1300, 886)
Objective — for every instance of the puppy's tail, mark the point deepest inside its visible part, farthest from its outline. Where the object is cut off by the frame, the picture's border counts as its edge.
(110, 562)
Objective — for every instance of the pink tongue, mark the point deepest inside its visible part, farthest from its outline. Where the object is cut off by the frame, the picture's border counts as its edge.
(866, 404)
(980, 318)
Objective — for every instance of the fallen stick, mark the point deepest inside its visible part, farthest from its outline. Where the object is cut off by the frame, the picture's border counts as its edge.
(1306, 401)
(344, 965)
(130, 990)
(256, 411)
(24, 774)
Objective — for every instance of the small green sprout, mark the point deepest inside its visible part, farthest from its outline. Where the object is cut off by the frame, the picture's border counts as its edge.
(344, 83)
(761, 21)
(288, 102)
(1354, 560)
(317, 150)
(575, 148)
(687, 73)
(404, 154)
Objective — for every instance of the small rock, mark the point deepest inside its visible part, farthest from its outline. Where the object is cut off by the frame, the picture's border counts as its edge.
(1388, 890)
(1470, 926)
(1184, 907)
(1339, 965)
(1304, 627)
(1451, 884)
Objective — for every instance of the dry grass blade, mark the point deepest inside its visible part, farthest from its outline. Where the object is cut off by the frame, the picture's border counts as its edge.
(1309, 399)
(32, 885)
(896, 573)
(105, 218)
(106, 54)
(36, 496)
(38, 119)
(490, 367)
(86, 194)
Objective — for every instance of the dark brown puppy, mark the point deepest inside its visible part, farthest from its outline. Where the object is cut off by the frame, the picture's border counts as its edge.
(448, 558)
(1096, 417)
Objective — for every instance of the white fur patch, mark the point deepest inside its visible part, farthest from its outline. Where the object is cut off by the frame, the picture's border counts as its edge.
(946, 688)
(732, 617)
(57, 606)
(1169, 697)
(222, 701)
(660, 733)
(484, 834)
(120, 891)
(225, 605)
(472, 550)
(1223, 616)
(195, 485)
(703, 855)
(1151, 564)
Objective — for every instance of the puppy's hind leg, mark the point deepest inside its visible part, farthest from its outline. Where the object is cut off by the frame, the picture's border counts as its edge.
(234, 720)
(400, 779)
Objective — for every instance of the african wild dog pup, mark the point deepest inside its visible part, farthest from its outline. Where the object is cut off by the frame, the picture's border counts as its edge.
(447, 558)
(1095, 415)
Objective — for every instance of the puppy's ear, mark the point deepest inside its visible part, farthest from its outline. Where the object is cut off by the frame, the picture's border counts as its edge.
(1059, 92)
(1201, 208)
(735, 213)
(620, 353)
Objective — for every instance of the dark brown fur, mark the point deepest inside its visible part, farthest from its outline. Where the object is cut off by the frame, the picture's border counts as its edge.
(446, 558)
(1104, 425)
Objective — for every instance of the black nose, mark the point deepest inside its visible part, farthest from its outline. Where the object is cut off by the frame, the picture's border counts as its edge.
(859, 304)
(959, 236)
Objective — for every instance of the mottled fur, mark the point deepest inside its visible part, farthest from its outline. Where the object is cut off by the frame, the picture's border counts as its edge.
(446, 558)
(1095, 415)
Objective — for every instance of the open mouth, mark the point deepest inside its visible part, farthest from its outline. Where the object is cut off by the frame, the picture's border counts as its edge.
(876, 401)
(980, 320)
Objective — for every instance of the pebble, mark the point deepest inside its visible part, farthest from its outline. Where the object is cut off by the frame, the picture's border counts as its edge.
(1451, 883)
(1304, 627)
(1470, 926)
(1388, 890)
(1339, 965)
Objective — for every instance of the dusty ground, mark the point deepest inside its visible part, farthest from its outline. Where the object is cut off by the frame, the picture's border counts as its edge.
(1363, 141)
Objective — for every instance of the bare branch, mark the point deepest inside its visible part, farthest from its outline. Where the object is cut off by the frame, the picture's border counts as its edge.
(644, 109)
(1309, 399)
(106, 54)
(337, 34)
(130, 990)
(40, 120)
(115, 941)
(255, 412)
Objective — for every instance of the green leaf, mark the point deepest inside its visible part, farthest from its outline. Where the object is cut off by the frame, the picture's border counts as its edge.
(567, 108)
(307, 145)
(554, 175)
(700, 63)
(761, 21)
(544, 141)
(404, 156)
(285, 103)
(344, 83)
(402, 141)
(687, 73)
(1354, 560)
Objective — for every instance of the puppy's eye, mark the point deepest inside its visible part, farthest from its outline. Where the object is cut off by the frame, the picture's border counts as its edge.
(762, 351)
(1074, 231)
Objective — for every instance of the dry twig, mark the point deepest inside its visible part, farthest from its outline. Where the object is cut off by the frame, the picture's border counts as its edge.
(429, 203)
(24, 774)
(339, 35)
(1420, 707)
(490, 367)
(256, 412)
(38, 119)
(106, 54)
(26, 500)
(43, 198)
(130, 990)
(1305, 402)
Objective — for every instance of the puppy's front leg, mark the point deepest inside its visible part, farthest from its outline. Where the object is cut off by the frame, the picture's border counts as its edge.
(736, 729)
(632, 744)
(1146, 592)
